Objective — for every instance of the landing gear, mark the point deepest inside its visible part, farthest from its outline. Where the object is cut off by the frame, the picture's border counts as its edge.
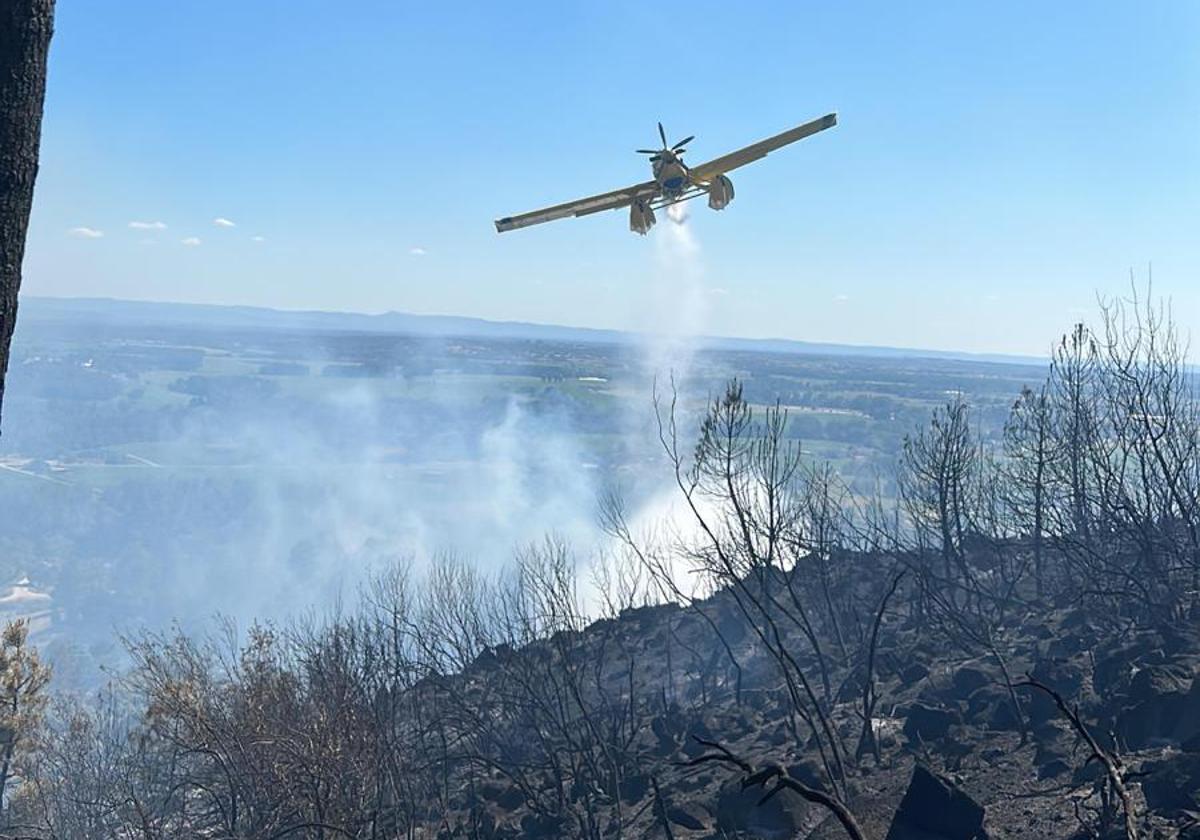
(720, 192)
(641, 217)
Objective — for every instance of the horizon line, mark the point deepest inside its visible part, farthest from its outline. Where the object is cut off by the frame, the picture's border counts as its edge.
(615, 333)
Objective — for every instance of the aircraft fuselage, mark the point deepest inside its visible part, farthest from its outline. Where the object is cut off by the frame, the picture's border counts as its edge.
(671, 178)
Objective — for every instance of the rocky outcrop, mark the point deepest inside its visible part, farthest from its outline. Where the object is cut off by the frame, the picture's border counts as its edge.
(925, 722)
(1162, 707)
(1173, 784)
(938, 807)
(779, 818)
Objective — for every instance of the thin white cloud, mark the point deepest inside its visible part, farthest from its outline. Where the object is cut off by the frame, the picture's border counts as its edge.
(417, 251)
(85, 232)
(718, 291)
(841, 298)
(221, 221)
(258, 239)
(191, 241)
(148, 225)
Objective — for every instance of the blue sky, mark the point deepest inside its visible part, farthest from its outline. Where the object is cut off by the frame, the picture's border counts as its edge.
(995, 166)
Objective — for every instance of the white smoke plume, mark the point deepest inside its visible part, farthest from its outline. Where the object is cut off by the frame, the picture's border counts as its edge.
(669, 342)
(264, 512)
(678, 299)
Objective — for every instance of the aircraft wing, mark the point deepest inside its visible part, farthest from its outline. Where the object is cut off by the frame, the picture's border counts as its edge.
(708, 171)
(581, 207)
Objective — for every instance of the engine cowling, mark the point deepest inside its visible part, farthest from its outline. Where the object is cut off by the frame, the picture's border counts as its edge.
(720, 192)
(641, 217)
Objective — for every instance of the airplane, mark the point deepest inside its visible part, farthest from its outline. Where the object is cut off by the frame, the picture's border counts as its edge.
(673, 181)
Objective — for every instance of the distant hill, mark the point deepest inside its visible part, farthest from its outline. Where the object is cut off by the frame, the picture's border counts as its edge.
(113, 312)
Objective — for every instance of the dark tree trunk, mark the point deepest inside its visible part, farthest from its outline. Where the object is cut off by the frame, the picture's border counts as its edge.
(25, 27)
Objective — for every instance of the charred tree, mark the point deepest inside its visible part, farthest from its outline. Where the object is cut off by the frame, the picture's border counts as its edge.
(1026, 476)
(25, 28)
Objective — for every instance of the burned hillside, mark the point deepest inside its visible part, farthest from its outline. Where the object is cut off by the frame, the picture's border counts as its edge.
(1006, 648)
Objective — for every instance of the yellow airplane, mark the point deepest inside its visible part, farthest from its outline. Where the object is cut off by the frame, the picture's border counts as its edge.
(673, 181)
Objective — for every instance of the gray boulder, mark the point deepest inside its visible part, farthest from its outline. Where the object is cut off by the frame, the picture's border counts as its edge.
(936, 806)
(929, 723)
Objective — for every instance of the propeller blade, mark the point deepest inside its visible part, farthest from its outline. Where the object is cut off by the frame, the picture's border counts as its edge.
(656, 158)
(648, 151)
(663, 135)
(684, 142)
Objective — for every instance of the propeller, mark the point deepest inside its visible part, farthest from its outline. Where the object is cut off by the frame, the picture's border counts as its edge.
(668, 152)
